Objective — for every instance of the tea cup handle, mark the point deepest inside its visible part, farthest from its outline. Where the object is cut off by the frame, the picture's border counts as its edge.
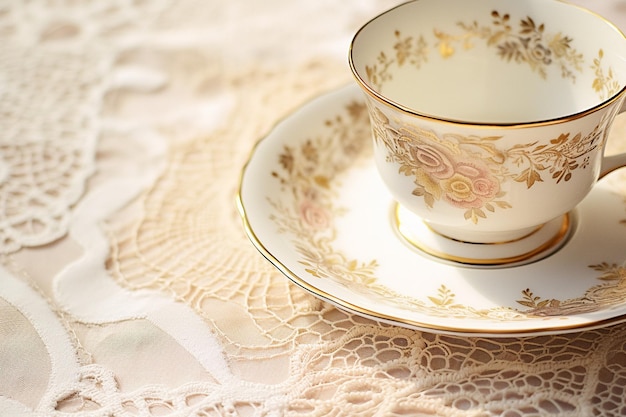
(613, 162)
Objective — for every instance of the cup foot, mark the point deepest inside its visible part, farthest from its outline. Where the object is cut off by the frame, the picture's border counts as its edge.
(542, 242)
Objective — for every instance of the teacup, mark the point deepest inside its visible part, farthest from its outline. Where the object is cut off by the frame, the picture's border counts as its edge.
(490, 117)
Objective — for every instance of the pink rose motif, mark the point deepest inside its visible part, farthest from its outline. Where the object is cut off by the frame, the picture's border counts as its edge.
(432, 160)
(471, 186)
(314, 216)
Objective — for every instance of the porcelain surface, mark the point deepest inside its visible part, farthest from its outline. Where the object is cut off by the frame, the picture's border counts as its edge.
(485, 61)
(314, 205)
(490, 117)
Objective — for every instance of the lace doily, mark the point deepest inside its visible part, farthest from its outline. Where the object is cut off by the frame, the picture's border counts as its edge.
(49, 122)
(136, 292)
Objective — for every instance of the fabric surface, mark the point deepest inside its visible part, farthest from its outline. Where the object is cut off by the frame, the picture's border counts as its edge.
(127, 284)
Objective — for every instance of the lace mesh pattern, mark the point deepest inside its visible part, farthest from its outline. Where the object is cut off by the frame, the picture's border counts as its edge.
(124, 132)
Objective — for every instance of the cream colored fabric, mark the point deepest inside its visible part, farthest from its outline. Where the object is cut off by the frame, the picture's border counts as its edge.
(128, 286)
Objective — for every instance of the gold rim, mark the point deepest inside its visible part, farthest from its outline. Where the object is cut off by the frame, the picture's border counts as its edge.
(417, 325)
(545, 248)
(371, 92)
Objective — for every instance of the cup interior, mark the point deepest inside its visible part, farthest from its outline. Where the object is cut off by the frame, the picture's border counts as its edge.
(490, 62)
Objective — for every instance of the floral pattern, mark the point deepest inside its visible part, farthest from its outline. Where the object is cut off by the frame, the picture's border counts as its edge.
(528, 44)
(307, 171)
(310, 172)
(467, 172)
(604, 84)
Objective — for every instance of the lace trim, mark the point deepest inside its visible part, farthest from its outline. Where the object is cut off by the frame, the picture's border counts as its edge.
(175, 262)
(49, 121)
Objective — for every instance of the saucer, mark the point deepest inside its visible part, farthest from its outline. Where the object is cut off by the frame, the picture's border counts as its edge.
(313, 204)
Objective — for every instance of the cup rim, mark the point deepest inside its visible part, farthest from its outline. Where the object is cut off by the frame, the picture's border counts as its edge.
(533, 123)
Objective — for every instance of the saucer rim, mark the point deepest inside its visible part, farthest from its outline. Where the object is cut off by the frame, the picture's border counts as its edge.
(344, 91)
(414, 324)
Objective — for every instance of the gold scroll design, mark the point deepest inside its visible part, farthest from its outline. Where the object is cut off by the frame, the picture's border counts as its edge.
(467, 172)
(310, 173)
(528, 44)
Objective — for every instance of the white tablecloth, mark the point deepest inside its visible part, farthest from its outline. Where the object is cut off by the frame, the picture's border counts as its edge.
(127, 284)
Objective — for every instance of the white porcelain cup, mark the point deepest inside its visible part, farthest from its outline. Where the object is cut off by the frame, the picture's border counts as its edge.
(490, 117)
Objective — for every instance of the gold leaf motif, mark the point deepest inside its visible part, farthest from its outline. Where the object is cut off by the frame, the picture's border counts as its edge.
(604, 295)
(446, 50)
(322, 181)
(529, 176)
(530, 45)
(286, 159)
(444, 298)
(610, 272)
(605, 85)
(532, 301)
(310, 152)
